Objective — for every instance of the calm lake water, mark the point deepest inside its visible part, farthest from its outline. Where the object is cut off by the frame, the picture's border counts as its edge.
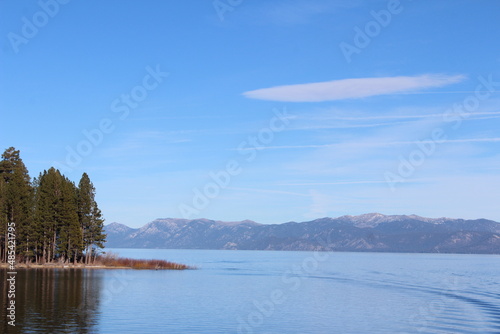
(265, 292)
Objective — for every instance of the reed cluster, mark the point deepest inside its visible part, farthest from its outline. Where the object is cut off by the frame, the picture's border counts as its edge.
(112, 260)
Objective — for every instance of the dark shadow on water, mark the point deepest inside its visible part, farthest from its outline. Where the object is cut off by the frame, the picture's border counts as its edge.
(53, 301)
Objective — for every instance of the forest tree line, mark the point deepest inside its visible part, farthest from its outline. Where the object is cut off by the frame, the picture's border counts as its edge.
(54, 219)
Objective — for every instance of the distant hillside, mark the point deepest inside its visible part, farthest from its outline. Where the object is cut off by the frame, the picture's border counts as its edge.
(369, 232)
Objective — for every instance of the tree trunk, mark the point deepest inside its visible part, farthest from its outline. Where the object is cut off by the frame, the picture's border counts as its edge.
(53, 247)
(5, 246)
(44, 253)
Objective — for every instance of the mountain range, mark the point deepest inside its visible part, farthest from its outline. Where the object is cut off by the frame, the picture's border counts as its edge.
(373, 232)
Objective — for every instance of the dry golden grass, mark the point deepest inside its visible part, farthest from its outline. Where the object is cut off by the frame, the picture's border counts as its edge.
(112, 260)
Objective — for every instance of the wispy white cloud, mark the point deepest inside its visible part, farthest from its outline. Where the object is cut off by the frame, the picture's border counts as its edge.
(268, 191)
(293, 12)
(352, 88)
(343, 126)
(375, 144)
(341, 183)
(389, 117)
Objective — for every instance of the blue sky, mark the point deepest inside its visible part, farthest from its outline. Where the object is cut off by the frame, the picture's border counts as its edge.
(270, 110)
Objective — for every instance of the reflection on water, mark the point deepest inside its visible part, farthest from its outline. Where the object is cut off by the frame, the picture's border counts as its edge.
(65, 300)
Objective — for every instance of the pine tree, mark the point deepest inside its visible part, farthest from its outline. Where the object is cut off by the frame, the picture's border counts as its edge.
(17, 198)
(70, 240)
(91, 221)
(36, 230)
(3, 220)
(46, 213)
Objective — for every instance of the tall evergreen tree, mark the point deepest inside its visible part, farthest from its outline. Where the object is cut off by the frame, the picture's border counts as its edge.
(17, 195)
(91, 221)
(70, 241)
(36, 230)
(46, 213)
(3, 220)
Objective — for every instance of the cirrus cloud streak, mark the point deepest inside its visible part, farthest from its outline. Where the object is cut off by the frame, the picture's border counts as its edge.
(352, 88)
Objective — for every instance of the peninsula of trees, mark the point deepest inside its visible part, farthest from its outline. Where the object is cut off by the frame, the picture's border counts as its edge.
(50, 217)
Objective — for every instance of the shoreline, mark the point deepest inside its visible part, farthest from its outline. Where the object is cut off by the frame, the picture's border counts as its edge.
(84, 266)
(58, 266)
